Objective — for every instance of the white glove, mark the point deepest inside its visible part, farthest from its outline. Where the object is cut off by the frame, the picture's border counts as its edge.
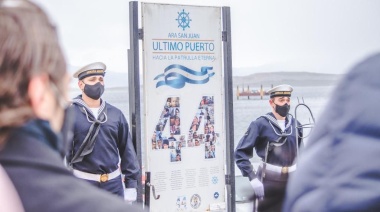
(130, 194)
(258, 187)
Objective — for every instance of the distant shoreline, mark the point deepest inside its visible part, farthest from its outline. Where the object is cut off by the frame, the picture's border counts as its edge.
(116, 80)
(302, 79)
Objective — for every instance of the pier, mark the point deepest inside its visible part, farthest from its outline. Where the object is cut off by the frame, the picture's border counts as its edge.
(248, 93)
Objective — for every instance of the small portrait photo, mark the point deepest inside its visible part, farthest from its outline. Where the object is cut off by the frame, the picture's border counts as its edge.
(172, 137)
(177, 126)
(194, 127)
(190, 136)
(158, 135)
(190, 143)
(178, 147)
(178, 157)
(212, 149)
(177, 113)
(174, 101)
(195, 120)
(203, 102)
(173, 155)
(201, 136)
(195, 135)
(160, 127)
(154, 145)
(172, 121)
(173, 105)
(209, 155)
(171, 145)
(162, 121)
(165, 113)
(182, 138)
(211, 129)
(165, 143)
(154, 136)
(197, 142)
(159, 144)
(209, 100)
(206, 129)
(207, 138)
(209, 151)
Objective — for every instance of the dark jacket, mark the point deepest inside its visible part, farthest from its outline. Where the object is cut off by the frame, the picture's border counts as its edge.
(112, 140)
(339, 168)
(31, 159)
(261, 131)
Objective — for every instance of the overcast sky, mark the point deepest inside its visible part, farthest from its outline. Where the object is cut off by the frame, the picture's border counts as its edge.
(285, 35)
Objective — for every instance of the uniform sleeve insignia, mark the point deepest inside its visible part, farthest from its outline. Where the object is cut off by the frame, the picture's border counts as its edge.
(247, 132)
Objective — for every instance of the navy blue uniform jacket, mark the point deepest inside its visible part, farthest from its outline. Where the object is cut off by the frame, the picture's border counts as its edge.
(112, 141)
(261, 131)
(339, 169)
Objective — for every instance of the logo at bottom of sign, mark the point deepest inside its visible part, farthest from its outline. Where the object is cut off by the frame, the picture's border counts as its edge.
(195, 201)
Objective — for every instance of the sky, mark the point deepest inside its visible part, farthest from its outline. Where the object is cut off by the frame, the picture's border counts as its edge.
(320, 36)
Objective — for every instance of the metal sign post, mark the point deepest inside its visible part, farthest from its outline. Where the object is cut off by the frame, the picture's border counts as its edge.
(230, 145)
(134, 88)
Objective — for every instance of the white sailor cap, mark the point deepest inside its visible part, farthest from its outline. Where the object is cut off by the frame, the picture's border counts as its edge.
(280, 90)
(97, 68)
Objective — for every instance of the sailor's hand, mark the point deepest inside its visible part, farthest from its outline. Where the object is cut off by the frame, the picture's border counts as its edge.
(130, 194)
(258, 187)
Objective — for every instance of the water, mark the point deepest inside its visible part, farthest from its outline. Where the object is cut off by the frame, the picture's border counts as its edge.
(245, 110)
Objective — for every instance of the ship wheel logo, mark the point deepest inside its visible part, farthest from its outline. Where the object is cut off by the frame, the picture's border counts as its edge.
(183, 20)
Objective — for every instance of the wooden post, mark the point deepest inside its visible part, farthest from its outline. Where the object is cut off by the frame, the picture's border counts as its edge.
(237, 92)
(261, 92)
(248, 91)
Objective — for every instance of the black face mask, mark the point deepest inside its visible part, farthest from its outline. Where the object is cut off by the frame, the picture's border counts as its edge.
(282, 110)
(94, 91)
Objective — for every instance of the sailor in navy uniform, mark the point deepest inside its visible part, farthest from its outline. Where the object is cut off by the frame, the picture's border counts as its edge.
(101, 136)
(273, 137)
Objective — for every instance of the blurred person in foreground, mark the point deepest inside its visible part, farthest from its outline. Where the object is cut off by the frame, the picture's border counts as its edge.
(101, 137)
(9, 199)
(339, 169)
(273, 137)
(33, 93)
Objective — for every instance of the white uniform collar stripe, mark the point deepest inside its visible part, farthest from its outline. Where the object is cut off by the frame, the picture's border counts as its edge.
(274, 120)
(80, 101)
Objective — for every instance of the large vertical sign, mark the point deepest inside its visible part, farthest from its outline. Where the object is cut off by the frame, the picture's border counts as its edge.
(183, 94)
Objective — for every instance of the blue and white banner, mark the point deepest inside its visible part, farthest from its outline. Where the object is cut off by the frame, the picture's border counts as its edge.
(176, 76)
(184, 102)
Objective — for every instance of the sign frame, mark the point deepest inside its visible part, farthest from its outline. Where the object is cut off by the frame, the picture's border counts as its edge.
(135, 107)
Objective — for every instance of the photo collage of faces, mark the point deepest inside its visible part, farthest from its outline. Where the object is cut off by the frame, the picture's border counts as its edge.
(201, 131)
(203, 122)
(175, 141)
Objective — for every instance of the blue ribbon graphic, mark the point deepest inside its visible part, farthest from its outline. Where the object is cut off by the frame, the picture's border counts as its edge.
(178, 81)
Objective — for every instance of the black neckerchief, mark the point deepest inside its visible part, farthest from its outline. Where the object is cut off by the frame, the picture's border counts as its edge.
(273, 121)
(88, 143)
